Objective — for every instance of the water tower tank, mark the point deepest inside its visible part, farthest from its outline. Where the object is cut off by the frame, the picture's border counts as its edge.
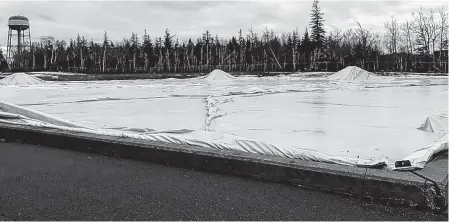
(18, 23)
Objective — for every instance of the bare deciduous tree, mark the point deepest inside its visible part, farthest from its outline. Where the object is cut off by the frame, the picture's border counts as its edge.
(295, 43)
(420, 28)
(426, 28)
(407, 36)
(434, 31)
(268, 35)
(392, 39)
(49, 43)
(392, 35)
(366, 39)
(443, 26)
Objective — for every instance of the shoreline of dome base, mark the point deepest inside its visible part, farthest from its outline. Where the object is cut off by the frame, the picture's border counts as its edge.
(391, 187)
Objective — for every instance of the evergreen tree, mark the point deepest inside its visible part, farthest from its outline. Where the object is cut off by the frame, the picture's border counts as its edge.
(217, 50)
(134, 50)
(3, 64)
(317, 26)
(106, 49)
(295, 45)
(306, 47)
(248, 49)
(105, 40)
(158, 51)
(198, 51)
(267, 52)
(147, 50)
(183, 55)
(190, 54)
(207, 37)
(1, 55)
(242, 48)
(70, 53)
(176, 55)
(289, 49)
(168, 45)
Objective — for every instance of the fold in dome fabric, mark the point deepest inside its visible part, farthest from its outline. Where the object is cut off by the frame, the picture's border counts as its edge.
(435, 123)
(20, 79)
(354, 73)
(218, 74)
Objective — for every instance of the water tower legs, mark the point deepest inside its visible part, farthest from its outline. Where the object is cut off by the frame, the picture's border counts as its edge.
(8, 48)
(19, 46)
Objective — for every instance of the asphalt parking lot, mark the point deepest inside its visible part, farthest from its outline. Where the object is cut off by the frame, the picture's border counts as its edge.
(41, 183)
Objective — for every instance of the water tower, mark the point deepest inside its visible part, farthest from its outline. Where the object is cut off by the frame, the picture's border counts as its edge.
(19, 41)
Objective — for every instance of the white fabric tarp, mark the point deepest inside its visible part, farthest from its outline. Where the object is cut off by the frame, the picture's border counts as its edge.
(435, 123)
(354, 73)
(213, 140)
(11, 109)
(294, 117)
(421, 157)
(218, 75)
(204, 139)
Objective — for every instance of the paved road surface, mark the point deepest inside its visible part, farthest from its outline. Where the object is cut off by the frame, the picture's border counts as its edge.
(39, 183)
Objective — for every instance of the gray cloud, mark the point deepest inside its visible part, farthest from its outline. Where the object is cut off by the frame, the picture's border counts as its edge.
(45, 17)
(184, 5)
(65, 20)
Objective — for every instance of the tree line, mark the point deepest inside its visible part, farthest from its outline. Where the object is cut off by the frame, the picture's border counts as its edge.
(418, 45)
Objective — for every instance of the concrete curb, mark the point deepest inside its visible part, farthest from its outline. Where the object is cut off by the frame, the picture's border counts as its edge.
(398, 188)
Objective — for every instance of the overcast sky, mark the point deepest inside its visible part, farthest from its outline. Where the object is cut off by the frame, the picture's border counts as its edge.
(65, 19)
